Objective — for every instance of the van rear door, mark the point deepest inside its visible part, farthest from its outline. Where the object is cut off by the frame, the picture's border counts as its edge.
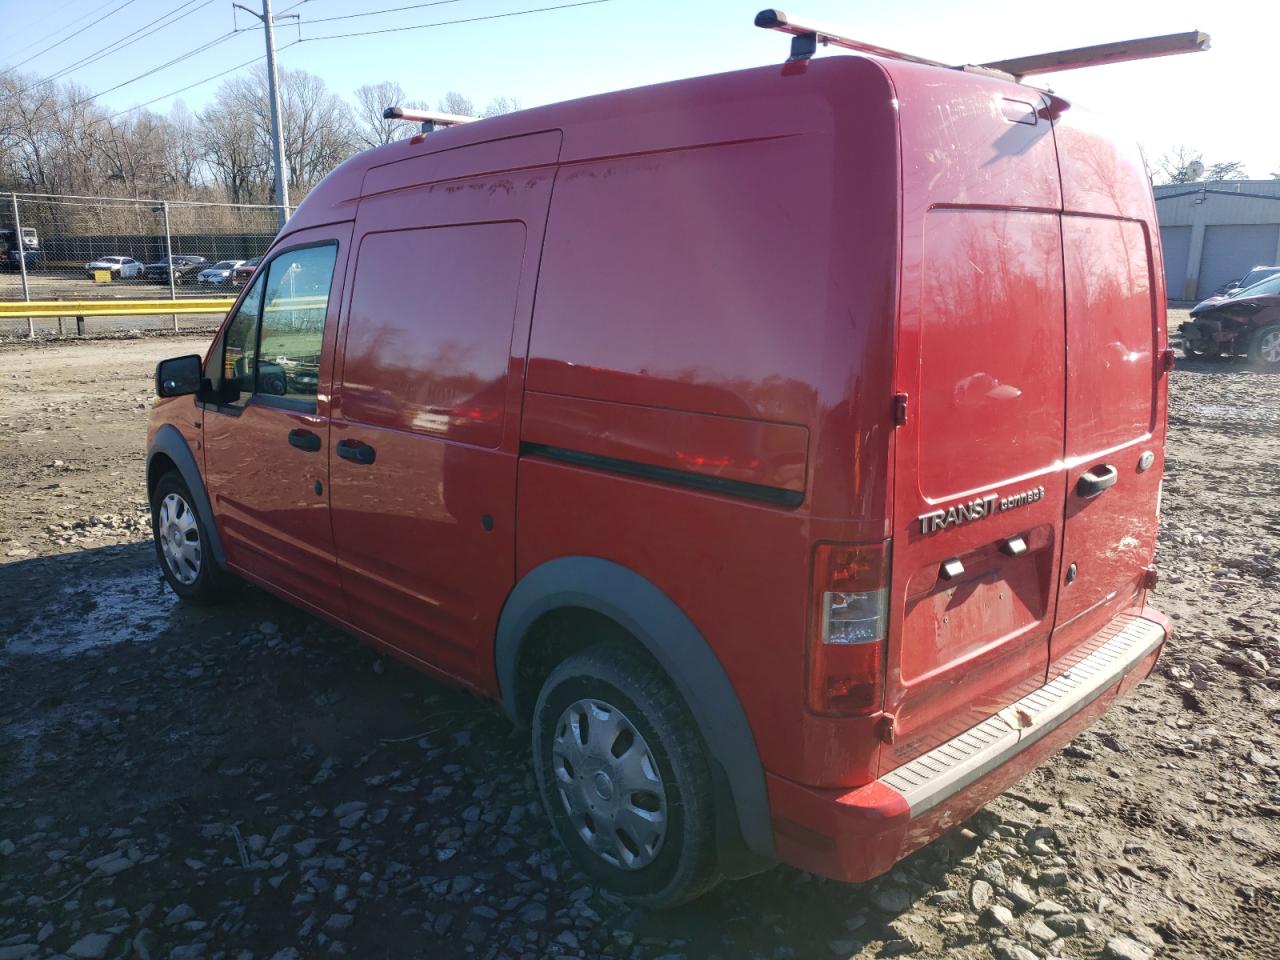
(1114, 461)
(978, 489)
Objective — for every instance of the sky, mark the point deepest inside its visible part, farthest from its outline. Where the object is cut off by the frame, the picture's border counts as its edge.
(1215, 102)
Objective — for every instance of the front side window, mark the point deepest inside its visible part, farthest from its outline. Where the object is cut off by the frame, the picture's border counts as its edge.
(295, 302)
(240, 344)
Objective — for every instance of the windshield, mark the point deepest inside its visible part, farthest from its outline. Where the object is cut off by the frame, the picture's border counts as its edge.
(224, 265)
(1267, 286)
(1252, 278)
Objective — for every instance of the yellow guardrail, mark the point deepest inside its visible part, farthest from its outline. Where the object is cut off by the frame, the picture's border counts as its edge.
(112, 308)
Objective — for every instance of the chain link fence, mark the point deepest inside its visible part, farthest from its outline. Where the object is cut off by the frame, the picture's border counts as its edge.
(86, 248)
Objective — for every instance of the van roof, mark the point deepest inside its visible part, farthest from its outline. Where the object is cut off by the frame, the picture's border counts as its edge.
(740, 105)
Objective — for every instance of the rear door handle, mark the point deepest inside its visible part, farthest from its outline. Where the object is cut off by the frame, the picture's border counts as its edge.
(1096, 480)
(357, 451)
(304, 440)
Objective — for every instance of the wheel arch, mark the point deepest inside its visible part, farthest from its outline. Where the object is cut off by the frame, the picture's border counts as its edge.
(168, 450)
(576, 592)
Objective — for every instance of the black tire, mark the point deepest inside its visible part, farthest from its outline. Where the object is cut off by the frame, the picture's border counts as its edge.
(204, 584)
(1264, 348)
(682, 866)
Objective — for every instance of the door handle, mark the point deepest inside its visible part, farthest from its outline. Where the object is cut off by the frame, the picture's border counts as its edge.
(357, 451)
(1096, 480)
(304, 440)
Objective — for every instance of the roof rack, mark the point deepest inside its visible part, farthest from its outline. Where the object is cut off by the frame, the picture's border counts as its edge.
(806, 36)
(429, 119)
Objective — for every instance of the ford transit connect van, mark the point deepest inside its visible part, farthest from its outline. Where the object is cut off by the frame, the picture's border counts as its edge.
(781, 448)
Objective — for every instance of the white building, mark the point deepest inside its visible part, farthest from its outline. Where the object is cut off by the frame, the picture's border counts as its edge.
(1215, 231)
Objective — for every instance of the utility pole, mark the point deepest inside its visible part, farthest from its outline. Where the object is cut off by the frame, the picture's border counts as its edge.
(273, 87)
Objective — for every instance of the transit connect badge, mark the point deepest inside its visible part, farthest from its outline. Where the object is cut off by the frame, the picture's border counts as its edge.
(976, 509)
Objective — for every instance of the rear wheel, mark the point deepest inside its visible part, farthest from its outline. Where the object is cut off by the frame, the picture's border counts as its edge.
(1264, 348)
(624, 778)
(182, 543)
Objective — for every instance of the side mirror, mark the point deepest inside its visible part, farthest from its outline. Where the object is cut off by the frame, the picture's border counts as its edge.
(179, 376)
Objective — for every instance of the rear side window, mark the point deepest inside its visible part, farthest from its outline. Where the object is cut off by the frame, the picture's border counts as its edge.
(295, 302)
(429, 337)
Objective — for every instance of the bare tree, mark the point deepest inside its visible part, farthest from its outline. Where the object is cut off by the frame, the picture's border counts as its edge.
(371, 128)
(1183, 164)
(1227, 170)
(500, 105)
(318, 129)
(454, 102)
(1177, 165)
(55, 138)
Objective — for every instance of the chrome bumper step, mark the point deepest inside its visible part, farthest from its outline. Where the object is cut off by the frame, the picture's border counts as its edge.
(932, 777)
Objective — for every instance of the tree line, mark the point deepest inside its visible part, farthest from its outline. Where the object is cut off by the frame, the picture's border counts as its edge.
(56, 139)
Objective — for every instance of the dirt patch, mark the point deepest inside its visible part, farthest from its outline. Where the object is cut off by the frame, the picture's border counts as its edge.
(246, 781)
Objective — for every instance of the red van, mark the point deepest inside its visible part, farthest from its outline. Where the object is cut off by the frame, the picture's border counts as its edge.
(783, 448)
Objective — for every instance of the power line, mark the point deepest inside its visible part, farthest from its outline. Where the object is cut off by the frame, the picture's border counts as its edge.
(374, 13)
(125, 41)
(68, 25)
(70, 36)
(117, 45)
(164, 66)
(447, 23)
(239, 66)
(191, 86)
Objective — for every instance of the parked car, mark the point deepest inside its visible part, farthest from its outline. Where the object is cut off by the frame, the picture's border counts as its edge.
(241, 274)
(837, 506)
(9, 259)
(184, 269)
(30, 238)
(1245, 323)
(1256, 275)
(120, 268)
(219, 274)
(9, 247)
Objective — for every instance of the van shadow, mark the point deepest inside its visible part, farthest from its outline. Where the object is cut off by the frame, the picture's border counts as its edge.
(127, 711)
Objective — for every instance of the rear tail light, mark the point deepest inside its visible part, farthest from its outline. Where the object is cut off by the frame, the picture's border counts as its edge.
(847, 636)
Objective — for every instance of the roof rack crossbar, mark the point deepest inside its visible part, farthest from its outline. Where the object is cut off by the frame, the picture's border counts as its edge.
(806, 36)
(1144, 48)
(429, 119)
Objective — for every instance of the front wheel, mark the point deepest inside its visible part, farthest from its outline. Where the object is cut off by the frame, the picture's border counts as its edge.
(1264, 348)
(182, 543)
(623, 776)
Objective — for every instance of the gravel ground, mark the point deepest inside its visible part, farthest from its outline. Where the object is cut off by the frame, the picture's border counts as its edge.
(245, 781)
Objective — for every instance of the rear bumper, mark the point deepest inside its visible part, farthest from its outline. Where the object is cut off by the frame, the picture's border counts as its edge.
(858, 834)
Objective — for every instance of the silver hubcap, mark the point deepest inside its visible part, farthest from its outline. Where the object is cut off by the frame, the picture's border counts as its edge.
(609, 784)
(179, 537)
(1271, 347)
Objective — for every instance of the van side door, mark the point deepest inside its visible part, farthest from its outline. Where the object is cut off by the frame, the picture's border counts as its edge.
(267, 452)
(427, 410)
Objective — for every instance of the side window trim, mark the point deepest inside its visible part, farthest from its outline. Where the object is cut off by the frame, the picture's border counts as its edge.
(264, 271)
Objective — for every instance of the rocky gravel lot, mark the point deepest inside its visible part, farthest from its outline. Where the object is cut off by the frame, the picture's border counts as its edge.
(244, 781)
